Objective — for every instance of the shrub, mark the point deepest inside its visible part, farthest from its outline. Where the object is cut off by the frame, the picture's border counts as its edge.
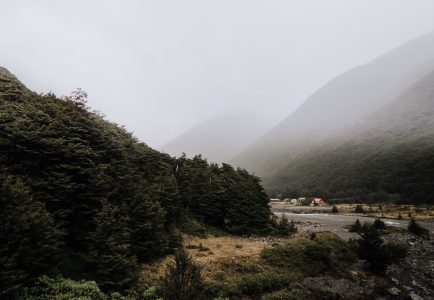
(416, 229)
(183, 279)
(327, 252)
(284, 294)
(62, 289)
(356, 227)
(396, 251)
(334, 209)
(216, 291)
(257, 284)
(379, 224)
(359, 209)
(370, 247)
(285, 228)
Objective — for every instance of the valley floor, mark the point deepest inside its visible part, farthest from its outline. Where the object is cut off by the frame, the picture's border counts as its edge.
(226, 259)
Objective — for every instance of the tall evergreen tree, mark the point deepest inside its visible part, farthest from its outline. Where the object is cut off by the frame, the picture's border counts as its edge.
(29, 241)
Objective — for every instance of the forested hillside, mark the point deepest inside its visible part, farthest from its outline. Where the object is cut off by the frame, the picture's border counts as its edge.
(386, 156)
(80, 197)
(347, 98)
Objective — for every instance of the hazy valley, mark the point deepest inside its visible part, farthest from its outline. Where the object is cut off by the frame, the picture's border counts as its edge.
(308, 172)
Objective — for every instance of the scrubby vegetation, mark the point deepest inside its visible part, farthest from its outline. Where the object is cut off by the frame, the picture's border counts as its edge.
(372, 248)
(325, 252)
(183, 279)
(418, 230)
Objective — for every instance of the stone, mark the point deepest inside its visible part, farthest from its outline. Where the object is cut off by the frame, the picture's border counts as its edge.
(414, 296)
(394, 291)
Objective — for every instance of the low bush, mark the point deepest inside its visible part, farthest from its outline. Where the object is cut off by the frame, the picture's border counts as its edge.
(359, 209)
(255, 285)
(183, 279)
(356, 227)
(379, 224)
(286, 228)
(325, 253)
(62, 289)
(377, 254)
(285, 294)
(396, 251)
(334, 209)
(416, 229)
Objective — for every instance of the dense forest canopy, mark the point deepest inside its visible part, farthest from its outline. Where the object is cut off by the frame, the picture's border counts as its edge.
(82, 198)
(387, 156)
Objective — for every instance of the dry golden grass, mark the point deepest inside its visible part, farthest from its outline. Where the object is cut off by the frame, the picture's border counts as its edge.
(223, 258)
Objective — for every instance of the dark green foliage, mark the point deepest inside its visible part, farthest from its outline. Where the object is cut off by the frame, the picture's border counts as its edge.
(325, 253)
(76, 163)
(287, 294)
(396, 251)
(334, 209)
(258, 284)
(285, 228)
(356, 227)
(379, 224)
(386, 169)
(416, 229)
(377, 254)
(98, 202)
(222, 196)
(112, 263)
(183, 279)
(359, 209)
(30, 244)
(62, 289)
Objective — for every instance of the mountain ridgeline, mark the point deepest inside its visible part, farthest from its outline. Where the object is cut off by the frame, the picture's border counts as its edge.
(367, 135)
(82, 198)
(219, 139)
(387, 156)
(344, 100)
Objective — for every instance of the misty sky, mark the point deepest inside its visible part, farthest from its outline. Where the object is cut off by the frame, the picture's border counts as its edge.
(159, 67)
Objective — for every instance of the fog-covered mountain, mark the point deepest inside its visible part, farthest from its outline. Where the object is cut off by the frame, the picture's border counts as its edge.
(344, 100)
(219, 139)
(388, 155)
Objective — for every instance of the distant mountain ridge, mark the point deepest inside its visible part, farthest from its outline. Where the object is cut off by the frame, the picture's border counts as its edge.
(219, 139)
(389, 155)
(344, 100)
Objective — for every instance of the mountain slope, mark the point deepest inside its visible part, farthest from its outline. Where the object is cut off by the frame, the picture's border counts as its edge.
(386, 155)
(342, 101)
(219, 139)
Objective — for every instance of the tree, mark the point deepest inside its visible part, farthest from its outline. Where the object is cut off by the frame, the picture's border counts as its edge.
(285, 228)
(334, 209)
(416, 229)
(30, 243)
(371, 248)
(356, 227)
(379, 224)
(113, 265)
(183, 279)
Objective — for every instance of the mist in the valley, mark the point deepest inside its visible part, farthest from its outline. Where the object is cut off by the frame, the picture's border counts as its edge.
(226, 70)
(343, 108)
